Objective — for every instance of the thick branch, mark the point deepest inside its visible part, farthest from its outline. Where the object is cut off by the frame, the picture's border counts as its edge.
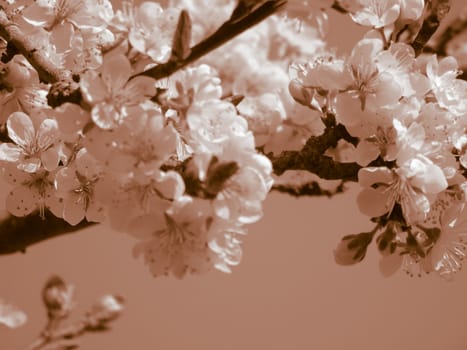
(18, 233)
(47, 71)
(64, 88)
(311, 157)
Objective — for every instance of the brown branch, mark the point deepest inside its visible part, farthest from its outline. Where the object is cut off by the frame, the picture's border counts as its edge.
(47, 71)
(436, 10)
(311, 157)
(64, 87)
(463, 76)
(339, 8)
(18, 233)
(308, 189)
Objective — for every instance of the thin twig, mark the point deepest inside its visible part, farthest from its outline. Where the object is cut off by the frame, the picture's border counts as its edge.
(308, 189)
(224, 34)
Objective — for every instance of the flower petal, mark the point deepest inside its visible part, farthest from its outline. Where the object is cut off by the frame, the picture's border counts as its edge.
(374, 175)
(139, 89)
(10, 152)
(389, 264)
(61, 36)
(22, 201)
(92, 87)
(66, 181)
(30, 165)
(11, 316)
(116, 71)
(73, 212)
(373, 202)
(20, 129)
(106, 116)
(39, 14)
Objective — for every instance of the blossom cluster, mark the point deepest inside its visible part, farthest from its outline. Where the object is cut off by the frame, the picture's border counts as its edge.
(174, 161)
(180, 162)
(409, 115)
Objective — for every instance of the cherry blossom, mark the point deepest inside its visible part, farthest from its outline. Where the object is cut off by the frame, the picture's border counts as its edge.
(75, 185)
(111, 92)
(34, 147)
(183, 163)
(178, 243)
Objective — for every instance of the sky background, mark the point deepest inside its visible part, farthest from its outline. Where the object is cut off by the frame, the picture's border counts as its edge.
(287, 293)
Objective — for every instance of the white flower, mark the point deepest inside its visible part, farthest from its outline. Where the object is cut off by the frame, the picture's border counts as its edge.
(75, 184)
(153, 29)
(31, 192)
(377, 13)
(112, 94)
(451, 93)
(177, 241)
(33, 148)
(11, 316)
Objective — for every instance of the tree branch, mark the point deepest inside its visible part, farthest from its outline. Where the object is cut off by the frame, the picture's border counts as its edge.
(47, 71)
(18, 233)
(308, 189)
(224, 34)
(437, 10)
(64, 88)
(311, 157)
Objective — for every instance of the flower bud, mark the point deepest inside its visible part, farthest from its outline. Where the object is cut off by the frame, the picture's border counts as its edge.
(352, 248)
(57, 297)
(107, 309)
(300, 93)
(11, 316)
(16, 73)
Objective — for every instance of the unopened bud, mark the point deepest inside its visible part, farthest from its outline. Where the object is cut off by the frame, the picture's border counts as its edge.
(352, 248)
(57, 297)
(107, 309)
(300, 93)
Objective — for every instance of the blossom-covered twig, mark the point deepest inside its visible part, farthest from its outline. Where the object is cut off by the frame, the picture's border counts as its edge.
(16, 233)
(46, 69)
(224, 34)
(59, 300)
(64, 88)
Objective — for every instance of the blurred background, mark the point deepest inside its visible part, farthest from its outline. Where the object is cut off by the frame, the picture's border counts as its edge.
(287, 293)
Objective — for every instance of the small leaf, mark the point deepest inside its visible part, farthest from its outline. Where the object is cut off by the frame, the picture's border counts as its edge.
(352, 248)
(182, 37)
(218, 173)
(386, 238)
